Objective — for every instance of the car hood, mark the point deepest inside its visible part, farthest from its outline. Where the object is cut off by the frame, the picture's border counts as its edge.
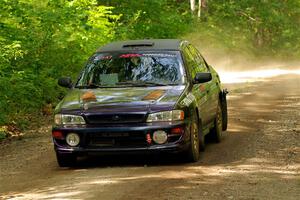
(133, 99)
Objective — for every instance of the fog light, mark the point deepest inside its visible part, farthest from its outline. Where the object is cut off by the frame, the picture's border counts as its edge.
(72, 139)
(160, 137)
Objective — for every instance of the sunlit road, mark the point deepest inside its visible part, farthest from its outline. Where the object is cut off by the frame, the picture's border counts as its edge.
(254, 75)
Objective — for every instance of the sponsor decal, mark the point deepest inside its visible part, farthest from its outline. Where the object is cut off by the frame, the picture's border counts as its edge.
(158, 55)
(154, 95)
(88, 96)
(188, 100)
(85, 106)
(101, 57)
(203, 100)
(202, 88)
(130, 55)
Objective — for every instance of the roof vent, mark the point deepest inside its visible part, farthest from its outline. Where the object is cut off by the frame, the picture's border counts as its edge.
(141, 44)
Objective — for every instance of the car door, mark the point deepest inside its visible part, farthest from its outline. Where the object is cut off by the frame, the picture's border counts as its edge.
(210, 87)
(198, 90)
(214, 90)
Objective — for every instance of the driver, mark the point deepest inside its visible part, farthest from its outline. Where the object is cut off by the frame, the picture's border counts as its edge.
(141, 69)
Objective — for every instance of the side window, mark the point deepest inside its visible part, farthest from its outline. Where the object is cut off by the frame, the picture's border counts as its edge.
(199, 60)
(190, 61)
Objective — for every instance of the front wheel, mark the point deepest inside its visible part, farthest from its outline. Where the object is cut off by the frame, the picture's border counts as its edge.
(217, 132)
(193, 150)
(201, 138)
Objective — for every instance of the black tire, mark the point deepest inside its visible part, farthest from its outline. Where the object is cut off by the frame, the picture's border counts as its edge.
(201, 138)
(224, 111)
(217, 131)
(192, 153)
(66, 160)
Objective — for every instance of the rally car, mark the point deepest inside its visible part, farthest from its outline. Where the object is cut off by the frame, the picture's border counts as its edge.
(140, 96)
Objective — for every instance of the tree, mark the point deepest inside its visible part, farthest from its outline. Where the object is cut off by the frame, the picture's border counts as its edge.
(193, 6)
(39, 42)
(201, 5)
(262, 27)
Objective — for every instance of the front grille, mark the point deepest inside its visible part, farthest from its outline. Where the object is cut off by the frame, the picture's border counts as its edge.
(118, 140)
(115, 118)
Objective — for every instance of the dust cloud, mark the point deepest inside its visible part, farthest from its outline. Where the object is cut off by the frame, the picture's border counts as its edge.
(242, 68)
(254, 75)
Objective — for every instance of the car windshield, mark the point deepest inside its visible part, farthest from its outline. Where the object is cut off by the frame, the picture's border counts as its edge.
(132, 69)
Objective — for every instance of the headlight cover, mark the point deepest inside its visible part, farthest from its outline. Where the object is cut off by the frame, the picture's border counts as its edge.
(173, 115)
(62, 119)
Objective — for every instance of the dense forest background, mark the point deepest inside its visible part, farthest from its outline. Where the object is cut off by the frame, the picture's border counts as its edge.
(43, 40)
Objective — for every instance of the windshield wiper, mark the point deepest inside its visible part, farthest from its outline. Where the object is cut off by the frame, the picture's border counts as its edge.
(127, 83)
(141, 83)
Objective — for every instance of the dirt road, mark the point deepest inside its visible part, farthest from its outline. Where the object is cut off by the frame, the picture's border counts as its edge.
(259, 158)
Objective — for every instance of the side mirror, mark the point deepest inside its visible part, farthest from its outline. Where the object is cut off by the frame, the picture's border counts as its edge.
(202, 77)
(65, 82)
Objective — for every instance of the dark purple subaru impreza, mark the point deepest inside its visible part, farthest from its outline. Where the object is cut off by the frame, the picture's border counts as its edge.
(140, 96)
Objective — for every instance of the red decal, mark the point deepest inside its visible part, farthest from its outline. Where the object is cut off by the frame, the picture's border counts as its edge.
(130, 55)
(202, 88)
(148, 138)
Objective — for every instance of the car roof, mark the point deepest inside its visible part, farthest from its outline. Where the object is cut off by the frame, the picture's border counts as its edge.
(147, 44)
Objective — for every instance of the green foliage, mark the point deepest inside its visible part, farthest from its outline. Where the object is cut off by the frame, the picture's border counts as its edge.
(42, 40)
(262, 26)
(151, 18)
(2, 135)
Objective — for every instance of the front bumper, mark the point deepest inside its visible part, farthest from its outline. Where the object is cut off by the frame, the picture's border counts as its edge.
(134, 141)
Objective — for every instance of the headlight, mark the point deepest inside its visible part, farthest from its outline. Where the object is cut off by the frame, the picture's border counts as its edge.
(173, 115)
(61, 119)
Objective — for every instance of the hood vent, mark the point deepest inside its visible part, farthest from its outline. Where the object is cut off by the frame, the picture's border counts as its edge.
(142, 44)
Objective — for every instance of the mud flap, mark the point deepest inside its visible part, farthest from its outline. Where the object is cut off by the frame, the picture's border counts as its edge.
(224, 109)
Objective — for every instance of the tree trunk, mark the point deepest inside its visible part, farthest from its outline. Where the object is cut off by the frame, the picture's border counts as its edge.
(199, 8)
(202, 5)
(193, 5)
